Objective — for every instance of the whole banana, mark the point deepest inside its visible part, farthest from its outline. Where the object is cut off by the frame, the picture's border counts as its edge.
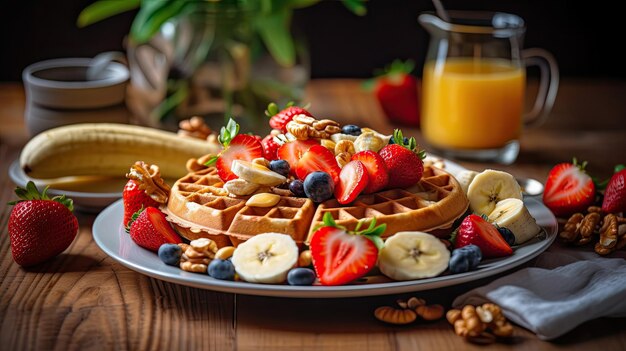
(108, 149)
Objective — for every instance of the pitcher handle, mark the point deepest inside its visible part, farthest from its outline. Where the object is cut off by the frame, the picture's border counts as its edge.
(548, 85)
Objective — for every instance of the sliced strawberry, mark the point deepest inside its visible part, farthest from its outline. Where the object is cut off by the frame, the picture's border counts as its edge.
(376, 170)
(353, 178)
(270, 148)
(475, 230)
(568, 189)
(292, 152)
(340, 257)
(279, 119)
(318, 158)
(615, 193)
(135, 199)
(150, 230)
(242, 147)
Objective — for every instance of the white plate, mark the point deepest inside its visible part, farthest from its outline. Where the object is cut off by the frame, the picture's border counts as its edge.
(84, 201)
(115, 242)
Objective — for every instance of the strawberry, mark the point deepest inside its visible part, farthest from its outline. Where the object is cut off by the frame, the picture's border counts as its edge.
(318, 158)
(149, 229)
(135, 199)
(397, 94)
(376, 170)
(403, 160)
(39, 227)
(615, 193)
(568, 189)
(279, 119)
(236, 147)
(476, 230)
(353, 178)
(340, 256)
(292, 152)
(270, 148)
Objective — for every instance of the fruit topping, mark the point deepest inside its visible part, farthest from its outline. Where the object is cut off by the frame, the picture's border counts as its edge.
(40, 227)
(377, 172)
(292, 152)
(318, 158)
(281, 167)
(352, 180)
(319, 186)
(340, 256)
(514, 216)
(149, 229)
(489, 187)
(351, 129)
(221, 269)
(270, 147)
(465, 259)
(296, 187)
(279, 119)
(145, 188)
(301, 276)
(265, 258)
(476, 230)
(256, 173)
(404, 161)
(263, 200)
(170, 254)
(569, 189)
(413, 255)
(507, 235)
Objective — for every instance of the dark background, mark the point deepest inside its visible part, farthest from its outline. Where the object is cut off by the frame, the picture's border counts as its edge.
(585, 37)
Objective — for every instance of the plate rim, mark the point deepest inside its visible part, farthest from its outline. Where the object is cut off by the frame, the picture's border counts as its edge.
(102, 224)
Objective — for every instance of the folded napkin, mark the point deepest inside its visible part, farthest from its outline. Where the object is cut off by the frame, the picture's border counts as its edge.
(560, 293)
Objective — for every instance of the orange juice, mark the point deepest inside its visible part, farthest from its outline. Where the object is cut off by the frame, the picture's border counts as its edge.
(471, 103)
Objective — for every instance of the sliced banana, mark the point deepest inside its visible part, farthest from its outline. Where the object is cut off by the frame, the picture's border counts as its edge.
(340, 136)
(240, 187)
(265, 258)
(465, 178)
(514, 215)
(413, 255)
(489, 187)
(256, 173)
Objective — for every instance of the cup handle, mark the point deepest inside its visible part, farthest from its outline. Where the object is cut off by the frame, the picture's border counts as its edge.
(100, 62)
(548, 85)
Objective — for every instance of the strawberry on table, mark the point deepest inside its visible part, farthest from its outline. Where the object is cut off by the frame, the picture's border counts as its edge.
(292, 152)
(279, 119)
(397, 94)
(318, 158)
(352, 180)
(139, 193)
(403, 160)
(615, 193)
(149, 229)
(40, 227)
(340, 256)
(476, 230)
(236, 147)
(569, 189)
(377, 172)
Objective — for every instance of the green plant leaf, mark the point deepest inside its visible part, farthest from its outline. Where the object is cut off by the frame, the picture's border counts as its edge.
(103, 9)
(356, 6)
(274, 30)
(154, 13)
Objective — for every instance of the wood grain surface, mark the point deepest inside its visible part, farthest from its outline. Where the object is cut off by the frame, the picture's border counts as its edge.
(83, 300)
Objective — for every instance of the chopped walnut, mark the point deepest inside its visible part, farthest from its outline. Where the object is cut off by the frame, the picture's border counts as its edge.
(149, 179)
(480, 324)
(305, 127)
(610, 238)
(195, 127)
(580, 228)
(197, 255)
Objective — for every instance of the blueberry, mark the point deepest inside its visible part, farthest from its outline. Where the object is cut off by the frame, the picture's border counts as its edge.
(351, 129)
(170, 254)
(301, 276)
(465, 259)
(319, 186)
(280, 166)
(221, 269)
(297, 188)
(507, 234)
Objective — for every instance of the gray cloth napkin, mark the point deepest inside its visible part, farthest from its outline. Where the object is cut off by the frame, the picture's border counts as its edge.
(564, 290)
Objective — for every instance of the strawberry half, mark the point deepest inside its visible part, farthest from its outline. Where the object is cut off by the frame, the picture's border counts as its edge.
(403, 160)
(318, 158)
(476, 230)
(378, 175)
(270, 148)
(615, 193)
(39, 227)
(353, 178)
(236, 147)
(279, 119)
(568, 189)
(292, 152)
(149, 229)
(339, 256)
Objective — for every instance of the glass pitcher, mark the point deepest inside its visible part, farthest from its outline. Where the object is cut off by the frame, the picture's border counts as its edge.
(474, 82)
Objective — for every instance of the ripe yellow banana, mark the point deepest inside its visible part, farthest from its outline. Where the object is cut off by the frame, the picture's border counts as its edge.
(108, 149)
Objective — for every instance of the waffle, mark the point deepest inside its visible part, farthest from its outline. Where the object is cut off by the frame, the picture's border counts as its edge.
(198, 208)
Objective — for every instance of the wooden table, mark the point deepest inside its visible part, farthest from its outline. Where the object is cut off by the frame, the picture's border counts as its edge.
(84, 300)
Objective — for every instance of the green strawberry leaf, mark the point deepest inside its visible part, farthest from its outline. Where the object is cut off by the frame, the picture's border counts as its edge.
(618, 168)
(272, 110)
(32, 193)
(211, 161)
(65, 201)
(228, 132)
